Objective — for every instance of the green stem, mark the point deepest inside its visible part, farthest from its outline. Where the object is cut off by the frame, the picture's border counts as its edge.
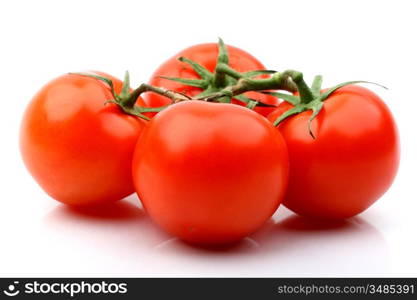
(304, 90)
(219, 79)
(144, 87)
(225, 69)
(222, 59)
(127, 101)
(279, 81)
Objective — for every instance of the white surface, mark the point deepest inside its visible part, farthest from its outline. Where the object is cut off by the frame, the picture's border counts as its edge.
(373, 40)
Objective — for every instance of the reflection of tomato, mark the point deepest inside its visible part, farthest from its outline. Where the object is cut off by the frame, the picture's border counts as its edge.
(78, 149)
(210, 172)
(205, 55)
(352, 161)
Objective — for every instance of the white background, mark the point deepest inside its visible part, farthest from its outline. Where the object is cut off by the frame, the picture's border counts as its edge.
(342, 40)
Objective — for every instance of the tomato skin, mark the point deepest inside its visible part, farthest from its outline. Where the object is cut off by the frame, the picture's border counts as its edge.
(210, 173)
(352, 161)
(78, 149)
(205, 55)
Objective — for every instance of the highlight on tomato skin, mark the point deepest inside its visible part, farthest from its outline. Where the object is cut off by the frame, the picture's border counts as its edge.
(210, 173)
(351, 162)
(76, 148)
(205, 55)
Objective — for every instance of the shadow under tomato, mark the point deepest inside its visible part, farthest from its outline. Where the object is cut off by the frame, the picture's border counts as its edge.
(120, 210)
(267, 233)
(245, 245)
(315, 247)
(301, 228)
(126, 209)
(300, 223)
(242, 246)
(122, 226)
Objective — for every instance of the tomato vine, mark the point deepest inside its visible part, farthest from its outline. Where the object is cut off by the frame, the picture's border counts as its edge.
(226, 83)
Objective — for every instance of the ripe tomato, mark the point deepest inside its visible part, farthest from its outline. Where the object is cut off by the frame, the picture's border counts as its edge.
(205, 55)
(78, 149)
(351, 162)
(210, 173)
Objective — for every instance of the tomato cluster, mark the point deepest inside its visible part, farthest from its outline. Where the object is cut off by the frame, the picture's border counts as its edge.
(210, 149)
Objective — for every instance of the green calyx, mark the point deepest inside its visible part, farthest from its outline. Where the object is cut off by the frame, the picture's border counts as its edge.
(222, 77)
(309, 98)
(126, 99)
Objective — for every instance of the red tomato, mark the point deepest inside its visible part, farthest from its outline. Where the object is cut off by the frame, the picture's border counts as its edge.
(205, 55)
(210, 173)
(352, 161)
(78, 149)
